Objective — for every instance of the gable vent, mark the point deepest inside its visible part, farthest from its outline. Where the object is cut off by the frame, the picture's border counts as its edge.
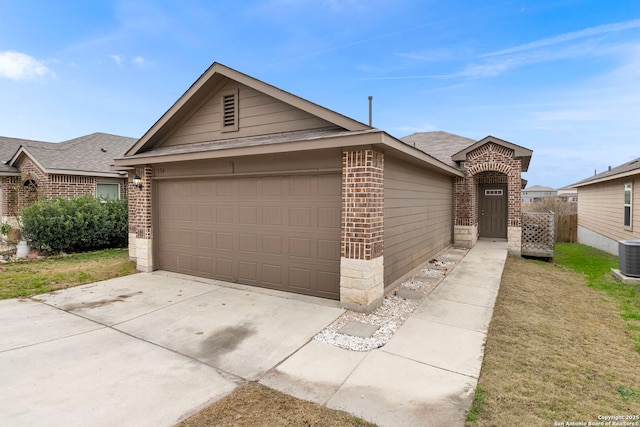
(230, 111)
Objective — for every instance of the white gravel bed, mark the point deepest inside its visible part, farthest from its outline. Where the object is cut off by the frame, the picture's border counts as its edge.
(394, 309)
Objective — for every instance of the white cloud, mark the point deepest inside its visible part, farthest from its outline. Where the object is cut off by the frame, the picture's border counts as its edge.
(117, 59)
(20, 66)
(138, 60)
(562, 38)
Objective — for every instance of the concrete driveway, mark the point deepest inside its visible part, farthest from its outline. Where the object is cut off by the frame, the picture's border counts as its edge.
(143, 350)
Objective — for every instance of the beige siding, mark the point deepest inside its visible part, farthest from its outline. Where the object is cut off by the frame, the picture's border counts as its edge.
(600, 208)
(259, 114)
(418, 216)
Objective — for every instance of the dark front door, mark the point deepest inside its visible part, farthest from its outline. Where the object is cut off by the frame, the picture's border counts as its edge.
(493, 211)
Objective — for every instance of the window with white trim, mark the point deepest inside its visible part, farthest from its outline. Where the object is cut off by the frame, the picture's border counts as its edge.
(107, 191)
(628, 197)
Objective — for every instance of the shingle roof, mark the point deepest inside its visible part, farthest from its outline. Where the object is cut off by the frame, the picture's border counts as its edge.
(89, 153)
(9, 146)
(305, 135)
(441, 145)
(624, 169)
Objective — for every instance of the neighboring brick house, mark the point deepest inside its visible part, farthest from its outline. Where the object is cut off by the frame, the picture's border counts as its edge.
(31, 170)
(241, 181)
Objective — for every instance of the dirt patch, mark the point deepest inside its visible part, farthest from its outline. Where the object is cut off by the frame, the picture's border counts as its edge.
(557, 351)
(256, 405)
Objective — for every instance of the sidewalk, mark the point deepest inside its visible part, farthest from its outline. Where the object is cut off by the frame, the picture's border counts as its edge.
(427, 373)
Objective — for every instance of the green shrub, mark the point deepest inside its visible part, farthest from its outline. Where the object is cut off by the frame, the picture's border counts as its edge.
(75, 225)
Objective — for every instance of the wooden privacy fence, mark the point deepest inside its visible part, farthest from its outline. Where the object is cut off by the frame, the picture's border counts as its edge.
(538, 234)
(567, 228)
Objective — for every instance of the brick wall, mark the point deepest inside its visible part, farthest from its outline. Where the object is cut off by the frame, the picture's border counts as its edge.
(140, 203)
(70, 186)
(17, 195)
(362, 204)
(489, 164)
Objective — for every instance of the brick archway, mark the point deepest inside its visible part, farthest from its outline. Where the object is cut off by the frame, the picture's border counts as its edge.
(489, 163)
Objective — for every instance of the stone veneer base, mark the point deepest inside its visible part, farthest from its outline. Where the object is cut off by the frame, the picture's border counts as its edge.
(144, 255)
(465, 236)
(514, 240)
(361, 283)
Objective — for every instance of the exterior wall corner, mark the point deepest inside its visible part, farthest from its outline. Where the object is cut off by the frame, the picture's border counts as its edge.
(362, 225)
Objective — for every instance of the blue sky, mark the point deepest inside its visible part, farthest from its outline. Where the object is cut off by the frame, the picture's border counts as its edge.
(559, 77)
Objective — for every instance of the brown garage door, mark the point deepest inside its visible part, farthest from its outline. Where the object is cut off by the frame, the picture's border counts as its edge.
(280, 232)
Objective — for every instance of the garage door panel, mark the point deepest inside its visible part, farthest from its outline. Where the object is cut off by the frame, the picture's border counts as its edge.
(281, 232)
(272, 215)
(204, 265)
(224, 241)
(272, 245)
(204, 240)
(272, 187)
(248, 215)
(224, 268)
(248, 187)
(185, 237)
(326, 280)
(272, 274)
(300, 248)
(248, 272)
(299, 217)
(204, 213)
(224, 214)
(186, 263)
(300, 279)
(248, 242)
(329, 218)
(328, 250)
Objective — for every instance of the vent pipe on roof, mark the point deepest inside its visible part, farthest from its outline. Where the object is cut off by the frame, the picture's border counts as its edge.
(370, 110)
(609, 168)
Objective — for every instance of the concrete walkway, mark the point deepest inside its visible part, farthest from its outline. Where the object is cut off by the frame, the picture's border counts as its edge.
(151, 349)
(426, 375)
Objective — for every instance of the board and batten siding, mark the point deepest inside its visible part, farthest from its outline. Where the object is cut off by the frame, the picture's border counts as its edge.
(418, 216)
(258, 114)
(601, 208)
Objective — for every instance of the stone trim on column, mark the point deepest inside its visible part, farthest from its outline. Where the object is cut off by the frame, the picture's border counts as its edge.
(362, 262)
(514, 240)
(465, 236)
(140, 223)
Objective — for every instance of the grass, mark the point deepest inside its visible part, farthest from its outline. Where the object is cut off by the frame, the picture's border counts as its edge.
(562, 344)
(596, 265)
(24, 278)
(257, 405)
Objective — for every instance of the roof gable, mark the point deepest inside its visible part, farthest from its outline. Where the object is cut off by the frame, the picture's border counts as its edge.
(192, 118)
(524, 154)
(87, 155)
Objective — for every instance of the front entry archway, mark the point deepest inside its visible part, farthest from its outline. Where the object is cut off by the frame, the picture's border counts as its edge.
(492, 211)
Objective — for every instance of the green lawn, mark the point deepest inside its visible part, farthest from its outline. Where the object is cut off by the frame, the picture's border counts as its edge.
(24, 278)
(596, 266)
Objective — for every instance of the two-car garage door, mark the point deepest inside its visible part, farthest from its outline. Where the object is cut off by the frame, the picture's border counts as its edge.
(280, 232)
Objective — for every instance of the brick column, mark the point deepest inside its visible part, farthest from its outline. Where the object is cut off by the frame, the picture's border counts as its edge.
(465, 217)
(361, 262)
(140, 232)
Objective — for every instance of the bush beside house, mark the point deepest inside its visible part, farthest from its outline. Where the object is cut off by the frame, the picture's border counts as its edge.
(75, 225)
